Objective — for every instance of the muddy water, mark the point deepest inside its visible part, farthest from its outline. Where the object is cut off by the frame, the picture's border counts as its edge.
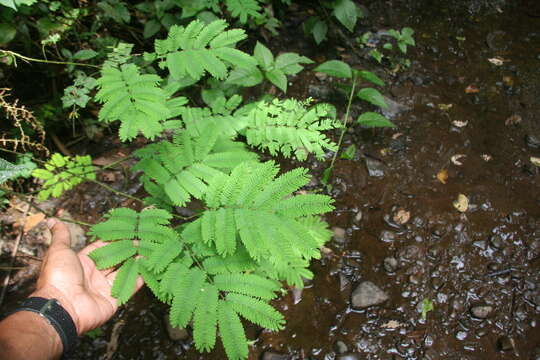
(486, 256)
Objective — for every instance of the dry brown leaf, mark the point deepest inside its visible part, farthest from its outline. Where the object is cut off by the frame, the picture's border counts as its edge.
(392, 324)
(402, 216)
(459, 123)
(486, 157)
(496, 61)
(535, 161)
(32, 221)
(442, 176)
(513, 120)
(461, 203)
(472, 89)
(455, 159)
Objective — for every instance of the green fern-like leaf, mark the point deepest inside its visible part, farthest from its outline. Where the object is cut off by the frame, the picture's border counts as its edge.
(113, 253)
(124, 283)
(252, 208)
(133, 99)
(290, 128)
(256, 311)
(187, 292)
(244, 9)
(205, 319)
(185, 167)
(62, 173)
(199, 48)
(247, 284)
(231, 332)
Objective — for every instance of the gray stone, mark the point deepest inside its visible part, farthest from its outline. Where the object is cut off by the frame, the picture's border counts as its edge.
(339, 234)
(390, 264)
(368, 294)
(388, 236)
(348, 356)
(394, 108)
(175, 333)
(481, 311)
(269, 355)
(375, 167)
(340, 347)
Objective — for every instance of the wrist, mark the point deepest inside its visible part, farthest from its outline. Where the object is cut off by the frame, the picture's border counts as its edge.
(50, 292)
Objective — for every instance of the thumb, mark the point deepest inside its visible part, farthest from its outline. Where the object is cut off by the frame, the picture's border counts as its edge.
(60, 233)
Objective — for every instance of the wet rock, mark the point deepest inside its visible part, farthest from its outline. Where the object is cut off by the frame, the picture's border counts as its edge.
(390, 264)
(340, 347)
(339, 234)
(269, 355)
(532, 141)
(481, 311)
(388, 236)
(461, 335)
(496, 241)
(349, 356)
(394, 108)
(496, 40)
(504, 343)
(375, 167)
(368, 294)
(175, 333)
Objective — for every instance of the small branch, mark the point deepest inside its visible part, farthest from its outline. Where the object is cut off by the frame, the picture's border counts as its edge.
(29, 59)
(60, 145)
(13, 254)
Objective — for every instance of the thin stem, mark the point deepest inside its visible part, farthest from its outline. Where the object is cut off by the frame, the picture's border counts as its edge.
(29, 59)
(345, 121)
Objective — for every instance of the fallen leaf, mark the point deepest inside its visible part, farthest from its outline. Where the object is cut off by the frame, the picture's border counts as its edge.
(535, 161)
(32, 221)
(402, 216)
(461, 203)
(459, 123)
(496, 61)
(455, 159)
(442, 176)
(472, 89)
(486, 157)
(508, 81)
(445, 107)
(513, 120)
(392, 324)
(396, 135)
(384, 151)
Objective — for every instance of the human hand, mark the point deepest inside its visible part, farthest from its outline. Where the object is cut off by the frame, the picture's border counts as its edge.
(73, 279)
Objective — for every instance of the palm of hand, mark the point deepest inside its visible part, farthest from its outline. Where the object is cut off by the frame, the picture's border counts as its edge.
(74, 280)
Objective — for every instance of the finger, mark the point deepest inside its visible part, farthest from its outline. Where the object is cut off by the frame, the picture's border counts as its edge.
(60, 234)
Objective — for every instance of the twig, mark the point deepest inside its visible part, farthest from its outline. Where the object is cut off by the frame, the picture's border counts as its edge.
(13, 254)
(29, 59)
(63, 149)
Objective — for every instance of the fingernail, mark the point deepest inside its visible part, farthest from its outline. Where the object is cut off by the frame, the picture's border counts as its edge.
(50, 223)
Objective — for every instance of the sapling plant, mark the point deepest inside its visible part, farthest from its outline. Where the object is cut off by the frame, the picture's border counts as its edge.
(255, 232)
(340, 69)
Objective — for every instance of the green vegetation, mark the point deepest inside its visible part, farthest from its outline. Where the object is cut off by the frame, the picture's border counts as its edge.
(181, 94)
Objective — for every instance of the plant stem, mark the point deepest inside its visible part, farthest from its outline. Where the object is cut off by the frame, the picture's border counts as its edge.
(29, 59)
(345, 121)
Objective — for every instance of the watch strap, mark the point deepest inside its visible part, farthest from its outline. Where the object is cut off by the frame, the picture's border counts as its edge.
(57, 316)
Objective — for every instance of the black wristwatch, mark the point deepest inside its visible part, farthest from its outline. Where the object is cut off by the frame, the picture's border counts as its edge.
(57, 316)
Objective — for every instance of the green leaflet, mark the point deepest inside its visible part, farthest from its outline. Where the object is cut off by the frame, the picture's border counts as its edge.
(133, 99)
(198, 48)
(124, 283)
(290, 128)
(264, 218)
(62, 173)
(184, 167)
(231, 332)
